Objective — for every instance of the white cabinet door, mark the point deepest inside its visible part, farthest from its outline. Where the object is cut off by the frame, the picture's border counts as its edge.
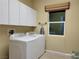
(3, 11)
(33, 17)
(24, 15)
(27, 15)
(13, 12)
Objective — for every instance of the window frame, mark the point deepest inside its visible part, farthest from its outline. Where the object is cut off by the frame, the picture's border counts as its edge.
(56, 22)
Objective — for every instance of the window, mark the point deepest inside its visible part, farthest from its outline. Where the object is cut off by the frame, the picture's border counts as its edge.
(57, 17)
(56, 22)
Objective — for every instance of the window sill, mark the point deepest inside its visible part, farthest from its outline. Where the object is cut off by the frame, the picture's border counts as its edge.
(56, 35)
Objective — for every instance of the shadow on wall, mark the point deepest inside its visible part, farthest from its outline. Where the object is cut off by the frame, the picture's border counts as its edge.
(27, 2)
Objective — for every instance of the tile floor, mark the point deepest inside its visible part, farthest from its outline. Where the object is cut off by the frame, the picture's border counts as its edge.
(50, 56)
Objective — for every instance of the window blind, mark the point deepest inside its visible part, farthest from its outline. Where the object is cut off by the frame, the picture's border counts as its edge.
(57, 7)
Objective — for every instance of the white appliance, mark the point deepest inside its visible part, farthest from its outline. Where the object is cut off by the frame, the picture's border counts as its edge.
(26, 47)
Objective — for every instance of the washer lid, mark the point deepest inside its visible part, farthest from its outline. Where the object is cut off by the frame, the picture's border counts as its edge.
(24, 38)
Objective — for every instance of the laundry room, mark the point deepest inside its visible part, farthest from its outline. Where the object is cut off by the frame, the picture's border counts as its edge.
(56, 20)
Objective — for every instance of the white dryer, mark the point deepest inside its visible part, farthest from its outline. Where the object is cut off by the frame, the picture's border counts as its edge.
(26, 47)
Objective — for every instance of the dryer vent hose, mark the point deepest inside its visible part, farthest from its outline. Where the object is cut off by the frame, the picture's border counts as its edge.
(11, 32)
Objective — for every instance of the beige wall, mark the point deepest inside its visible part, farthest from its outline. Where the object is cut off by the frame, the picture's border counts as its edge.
(27, 2)
(70, 41)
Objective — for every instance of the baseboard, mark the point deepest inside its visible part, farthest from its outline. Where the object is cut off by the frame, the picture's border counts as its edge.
(57, 52)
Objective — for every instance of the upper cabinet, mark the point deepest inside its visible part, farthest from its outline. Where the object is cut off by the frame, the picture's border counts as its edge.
(33, 17)
(27, 15)
(14, 12)
(3, 11)
(24, 14)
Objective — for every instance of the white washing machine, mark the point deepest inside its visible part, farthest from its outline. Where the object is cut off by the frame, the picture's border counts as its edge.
(26, 47)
